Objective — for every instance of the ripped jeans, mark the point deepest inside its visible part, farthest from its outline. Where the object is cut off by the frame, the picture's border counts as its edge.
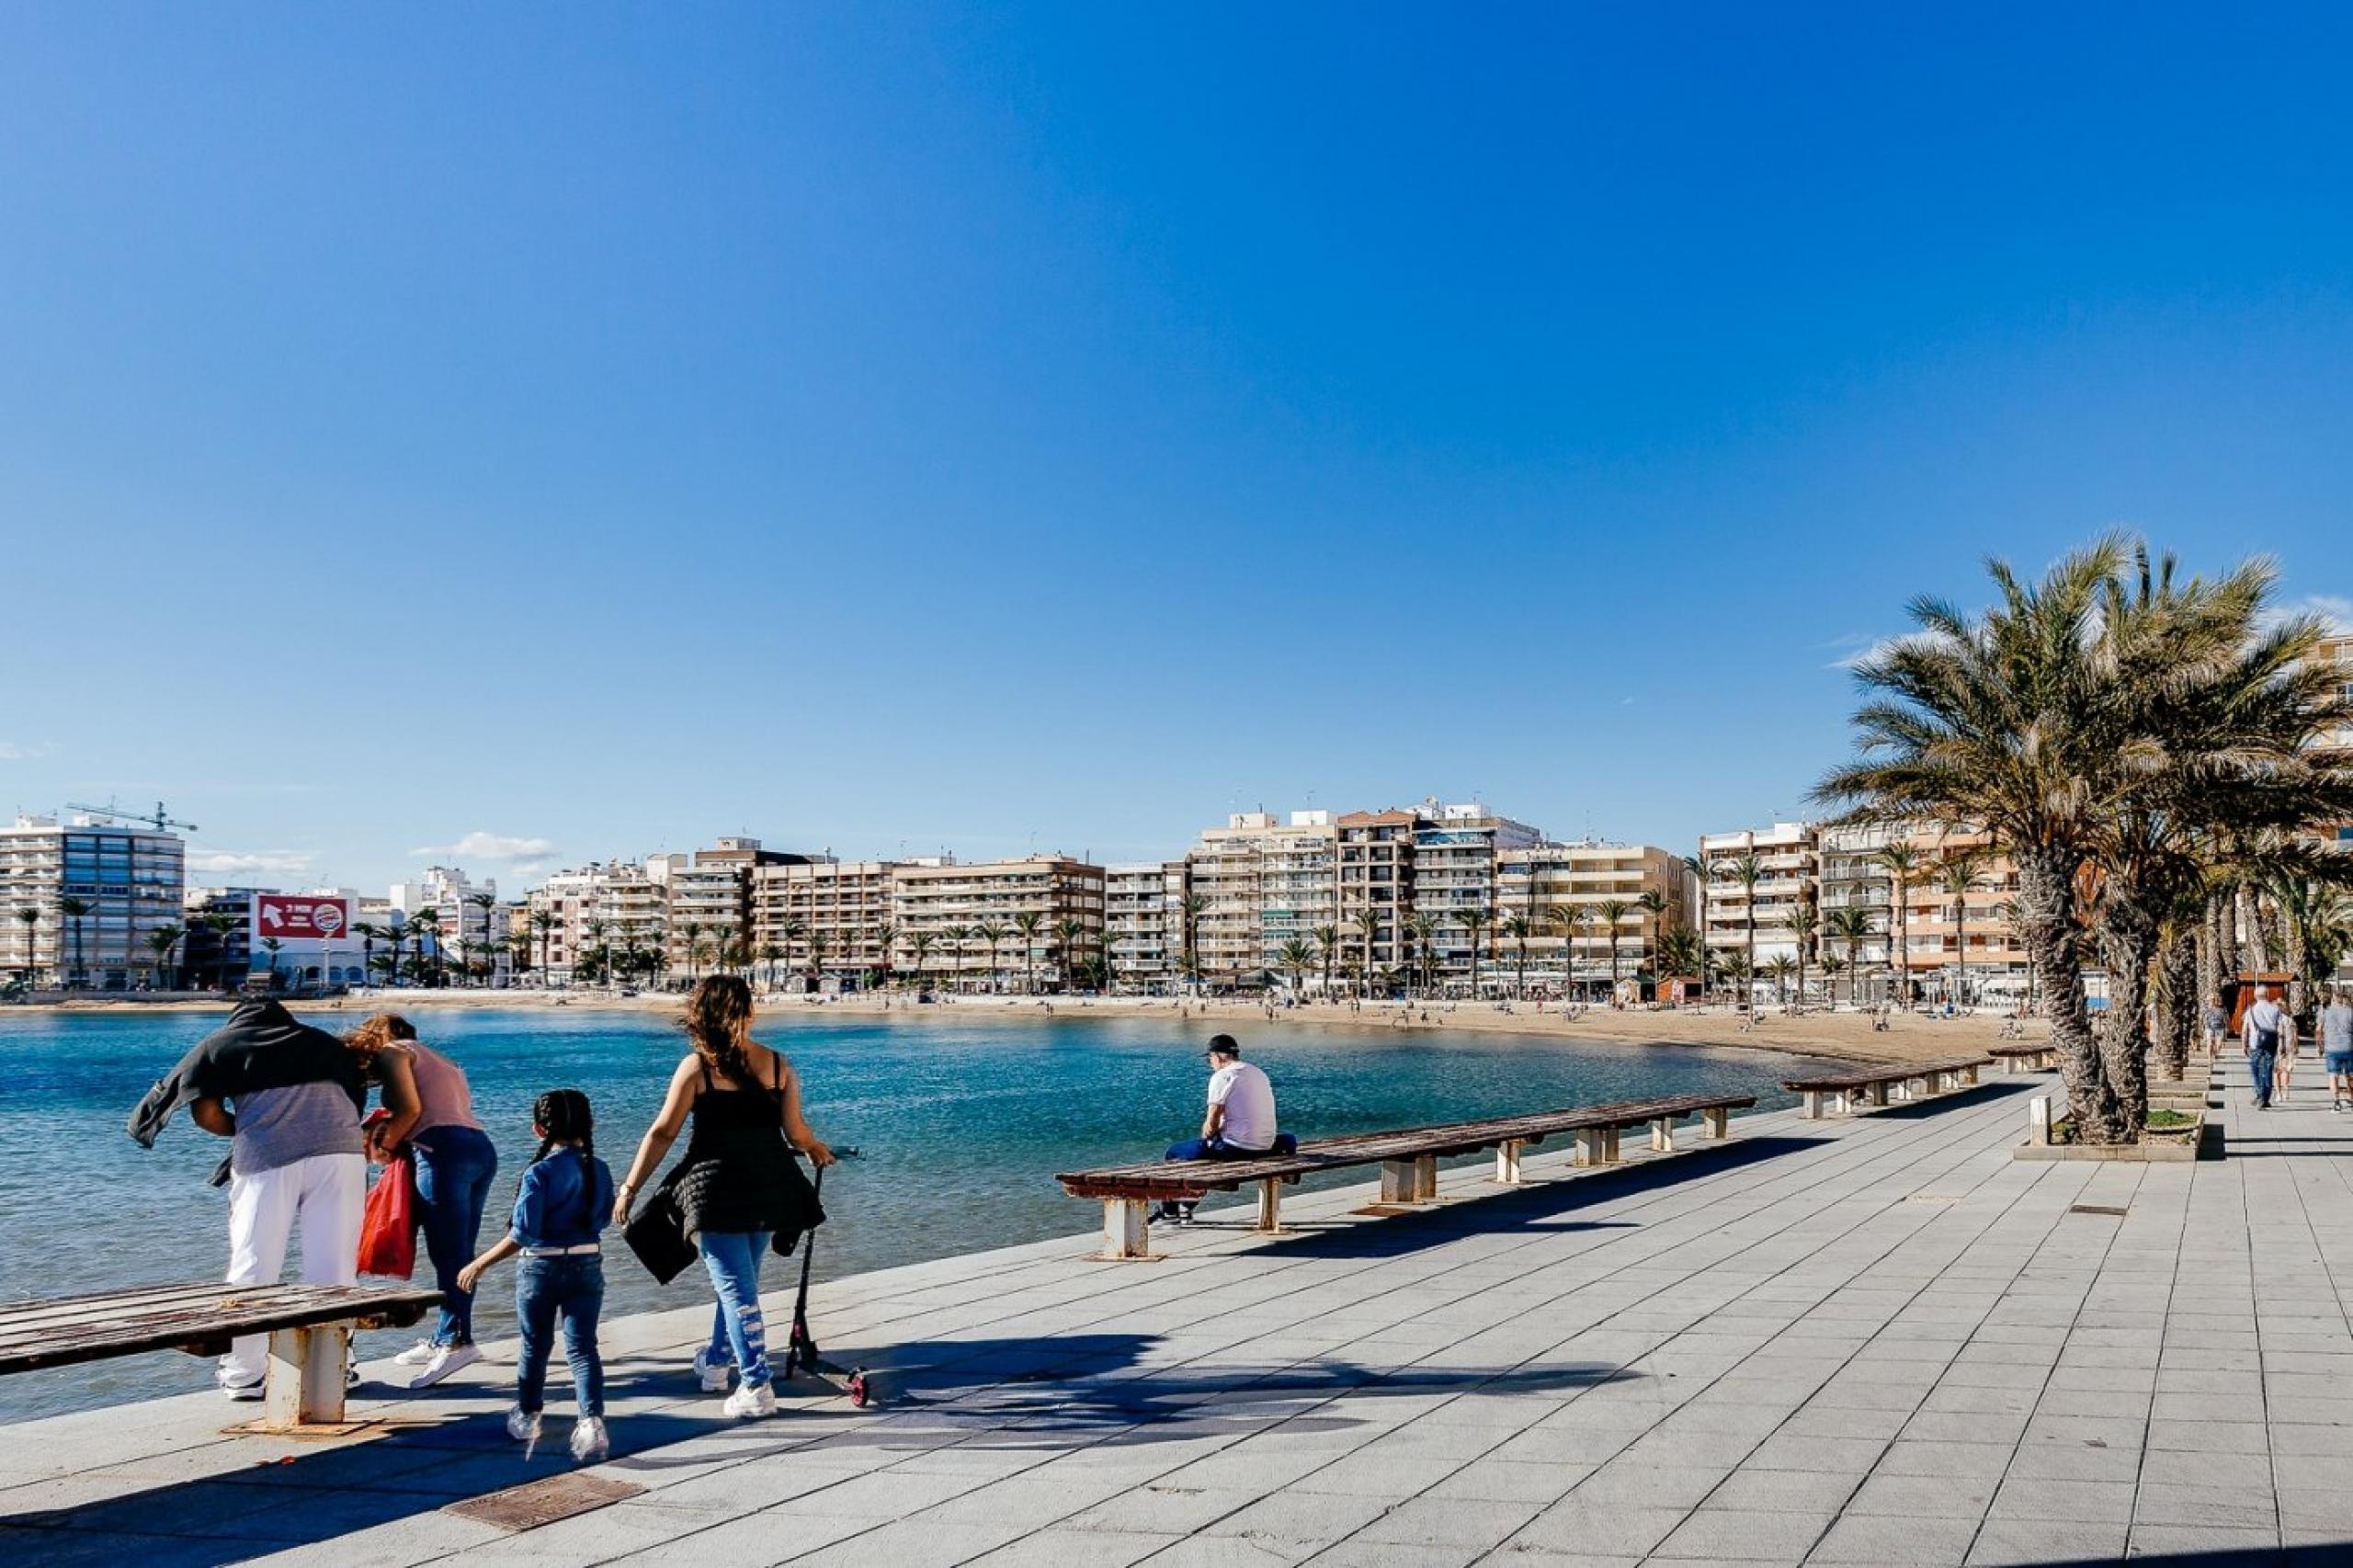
(738, 1332)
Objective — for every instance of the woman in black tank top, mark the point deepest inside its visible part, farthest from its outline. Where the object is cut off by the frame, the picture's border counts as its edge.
(739, 1187)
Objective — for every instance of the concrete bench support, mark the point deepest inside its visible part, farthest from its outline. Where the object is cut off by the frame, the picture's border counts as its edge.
(1663, 1134)
(1270, 1204)
(1396, 1181)
(1719, 1122)
(1877, 1094)
(1127, 1234)
(1813, 1105)
(1507, 1164)
(304, 1383)
(1597, 1146)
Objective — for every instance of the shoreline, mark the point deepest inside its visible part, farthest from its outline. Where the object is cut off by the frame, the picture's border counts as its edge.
(1845, 1036)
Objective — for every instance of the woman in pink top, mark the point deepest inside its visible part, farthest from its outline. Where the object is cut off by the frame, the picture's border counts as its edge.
(455, 1162)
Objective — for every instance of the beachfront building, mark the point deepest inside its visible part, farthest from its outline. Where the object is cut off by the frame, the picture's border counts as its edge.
(1258, 884)
(1374, 891)
(81, 897)
(1568, 894)
(465, 916)
(1456, 850)
(608, 915)
(1787, 858)
(1853, 877)
(708, 902)
(962, 906)
(1958, 940)
(819, 918)
(1142, 925)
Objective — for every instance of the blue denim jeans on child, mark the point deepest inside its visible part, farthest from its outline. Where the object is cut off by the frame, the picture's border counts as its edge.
(572, 1289)
(454, 1167)
(739, 1332)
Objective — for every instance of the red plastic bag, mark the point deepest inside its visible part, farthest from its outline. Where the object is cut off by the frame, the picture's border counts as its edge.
(388, 1225)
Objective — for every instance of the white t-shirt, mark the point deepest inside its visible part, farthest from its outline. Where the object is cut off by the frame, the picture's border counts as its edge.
(1249, 1102)
(2267, 1018)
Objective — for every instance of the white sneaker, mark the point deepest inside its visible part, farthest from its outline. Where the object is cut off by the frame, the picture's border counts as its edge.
(446, 1359)
(589, 1443)
(714, 1374)
(416, 1355)
(522, 1424)
(241, 1390)
(750, 1403)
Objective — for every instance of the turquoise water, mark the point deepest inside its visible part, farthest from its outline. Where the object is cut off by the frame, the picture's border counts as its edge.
(962, 1121)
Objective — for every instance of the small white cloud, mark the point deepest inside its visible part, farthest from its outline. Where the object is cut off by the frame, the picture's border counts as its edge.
(1855, 648)
(480, 845)
(2334, 608)
(238, 862)
(1625, 702)
(14, 751)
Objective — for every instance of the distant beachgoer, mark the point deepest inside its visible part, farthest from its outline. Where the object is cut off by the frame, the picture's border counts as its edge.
(1239, 1123)
(288, 1096)
(2269, 1027)
(2337, 1048)
(455, 1162)
(738, 1188)
(2216, 1022)
(563, 1208)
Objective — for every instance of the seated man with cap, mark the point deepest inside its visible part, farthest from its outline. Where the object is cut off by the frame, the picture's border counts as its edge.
(1240, 1122)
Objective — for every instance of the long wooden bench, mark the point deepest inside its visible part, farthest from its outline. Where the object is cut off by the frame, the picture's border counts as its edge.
(2027, 1057)
(1908, 1080)
(309, 1329)
(1408, 1159)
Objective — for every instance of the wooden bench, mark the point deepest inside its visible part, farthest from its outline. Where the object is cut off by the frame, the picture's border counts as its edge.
(309, 1329)
(2025, 1058)
(1408, 1159)
(1909, 1081)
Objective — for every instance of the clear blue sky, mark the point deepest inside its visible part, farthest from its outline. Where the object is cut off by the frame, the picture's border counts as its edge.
(1062, 426)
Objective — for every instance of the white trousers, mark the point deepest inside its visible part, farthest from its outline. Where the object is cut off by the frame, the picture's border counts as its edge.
(321, 1196)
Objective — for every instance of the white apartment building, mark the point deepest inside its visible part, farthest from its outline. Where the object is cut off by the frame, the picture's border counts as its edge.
(615, 905)
(954, 903)
(81, 897)
(821, 917)
(1787, 857)
(1258, 883)
(1455, 850)
(1142, 911)
(468, 914)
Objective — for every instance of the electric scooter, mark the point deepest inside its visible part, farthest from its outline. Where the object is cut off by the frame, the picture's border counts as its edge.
(800, 1352)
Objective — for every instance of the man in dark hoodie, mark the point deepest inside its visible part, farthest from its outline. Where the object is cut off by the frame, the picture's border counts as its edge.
(288, 1096)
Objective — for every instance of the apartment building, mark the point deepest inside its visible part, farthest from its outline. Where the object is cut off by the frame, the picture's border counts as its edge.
(824, 917)
(615, 905)
(1455, 854)
(1258, 883)
(951, 903)
(1373, 889)
(467, 914)
(708, 900)
(81, 897)
(1787, 857)
(1853, 877)
(1568, 894)
(1144, 940)
(1957, 938)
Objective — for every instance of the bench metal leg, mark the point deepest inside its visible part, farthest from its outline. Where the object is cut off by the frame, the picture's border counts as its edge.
(1663, 1134)
(1270, 1204)
(1127, 1234)
(303, 1385)
(1719, 1122)
(1507, 1163)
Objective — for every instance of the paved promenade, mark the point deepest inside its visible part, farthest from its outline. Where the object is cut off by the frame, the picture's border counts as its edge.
(1869, 1341)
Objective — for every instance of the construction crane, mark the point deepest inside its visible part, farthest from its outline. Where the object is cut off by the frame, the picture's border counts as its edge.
(159, 821)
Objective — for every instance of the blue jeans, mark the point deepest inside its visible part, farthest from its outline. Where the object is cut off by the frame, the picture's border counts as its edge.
(454, 1167)
(574, 1289)
(739, 1332)
(2258, 1068)
(1216, 1149)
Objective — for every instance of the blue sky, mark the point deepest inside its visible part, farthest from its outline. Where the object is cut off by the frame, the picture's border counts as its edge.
(594, 429)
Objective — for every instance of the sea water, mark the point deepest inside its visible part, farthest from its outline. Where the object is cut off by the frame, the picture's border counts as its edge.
(961, 1121)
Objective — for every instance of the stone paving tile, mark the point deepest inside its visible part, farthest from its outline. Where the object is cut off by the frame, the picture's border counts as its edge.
(2007, 1542)
(1895, 1541)
(1747, 1534)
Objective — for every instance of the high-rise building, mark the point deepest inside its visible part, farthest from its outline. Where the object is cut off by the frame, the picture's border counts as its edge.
(470, 920)
(1374, 891)
(710, 900)
(96, 892)
(1568, 894)
(821, 918)
(1062, 899)
(1258, 883)
(1142, 920)
(1786, 858)
(1455, 852)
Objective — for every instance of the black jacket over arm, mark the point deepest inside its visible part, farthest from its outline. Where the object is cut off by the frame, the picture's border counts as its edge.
(262, 1046)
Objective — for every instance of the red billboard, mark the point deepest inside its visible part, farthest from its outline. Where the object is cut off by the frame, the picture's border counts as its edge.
(297, 917)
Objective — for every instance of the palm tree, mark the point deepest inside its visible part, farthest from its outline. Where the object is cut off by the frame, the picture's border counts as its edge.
(956, 937)
(426, 924)
(1652, 904)
(1295, 957)
(1567, 919)
(487, 903)
(1613, 912)
(1190, 907)
(543, 925)
(920, 944)
(1738, 974)
(1473, 921)
(1517, 926)
(1368, 924)
(1026, 925)
(163, 939)
(221, 925)
(1679, 953)
(30, 918)
(692, 931)
(367, 931)
(1851, 925)
(886, 937)
(817, 945)
(1781, 966)
(519, 950)
(1803, 921)
(1748, 871)
(271, 945)
(74, 909)
(1327, 946)
(594, 927)
(1903, 864)
(1960, 870)
(990, 932)
(790, 930)
(1422, 938)
(1070, 932)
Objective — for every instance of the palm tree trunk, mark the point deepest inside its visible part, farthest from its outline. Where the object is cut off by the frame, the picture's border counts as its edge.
(2128, 943)
(2047, 915)
(2177, 998)
(2250, 953)
(2210, 951)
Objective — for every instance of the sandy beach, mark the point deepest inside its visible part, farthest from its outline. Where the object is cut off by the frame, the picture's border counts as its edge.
(1815, 1032)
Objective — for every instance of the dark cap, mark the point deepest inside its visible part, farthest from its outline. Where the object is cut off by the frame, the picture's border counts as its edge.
(1223, 1045)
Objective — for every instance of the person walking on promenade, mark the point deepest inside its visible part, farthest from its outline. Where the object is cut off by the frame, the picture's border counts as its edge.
(565, 1199)
(455, 1164)
(1239, 1123)
(288, 1097)
(738, 1189)
(2268, 1030)
(2216, 1022)
(2337, 1048)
